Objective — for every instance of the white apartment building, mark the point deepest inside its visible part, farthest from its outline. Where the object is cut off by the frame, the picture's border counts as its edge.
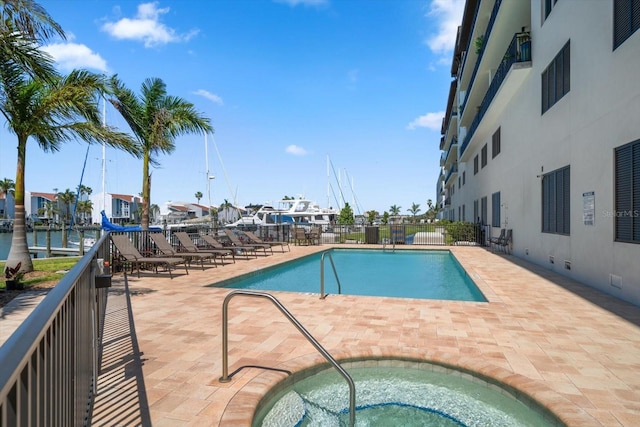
(542, 134)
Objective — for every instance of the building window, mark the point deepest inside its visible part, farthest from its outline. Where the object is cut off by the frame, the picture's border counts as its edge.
(627, 193)
(459, 213)
(464, 214)
(483, 155)
(556, 78)
(476, 217)
(495, 144)
(548, 6)
(626, 20)
(483, 210)
(459, 182)
(556, 201)
(475, 164)
(495, 209)
(464, 177)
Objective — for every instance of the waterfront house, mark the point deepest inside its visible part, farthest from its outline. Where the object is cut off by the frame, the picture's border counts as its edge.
(119, 208)
(541, 134)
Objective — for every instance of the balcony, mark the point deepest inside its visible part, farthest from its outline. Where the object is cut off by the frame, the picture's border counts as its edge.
(452, 152)
(512, 70)
(452, 174)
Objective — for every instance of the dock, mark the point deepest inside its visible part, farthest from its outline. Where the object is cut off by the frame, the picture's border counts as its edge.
(35, 250)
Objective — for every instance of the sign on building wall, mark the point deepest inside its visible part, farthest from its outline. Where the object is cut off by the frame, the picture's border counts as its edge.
(589, 208)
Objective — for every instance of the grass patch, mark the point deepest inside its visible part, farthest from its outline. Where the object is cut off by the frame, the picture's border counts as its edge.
(45, 270)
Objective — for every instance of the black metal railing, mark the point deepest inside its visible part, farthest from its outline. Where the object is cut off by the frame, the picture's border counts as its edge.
(50, 363)
(519, 50)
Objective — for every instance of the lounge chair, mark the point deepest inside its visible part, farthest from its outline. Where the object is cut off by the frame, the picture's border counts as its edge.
(314, 235)
(190, 246)
(255, 239)
(301, 236)
(216, 245)
(127, 253)
(237, 243)
(497, 240)
(163, 245)
(505, 244)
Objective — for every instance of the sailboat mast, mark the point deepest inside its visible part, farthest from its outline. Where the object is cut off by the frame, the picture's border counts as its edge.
(328, 184)
(104, 158)
(206, 159)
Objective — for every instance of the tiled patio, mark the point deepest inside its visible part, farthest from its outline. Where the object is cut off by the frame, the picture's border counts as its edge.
(573, 349)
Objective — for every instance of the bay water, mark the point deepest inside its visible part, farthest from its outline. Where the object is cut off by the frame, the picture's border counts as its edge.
(56, 240)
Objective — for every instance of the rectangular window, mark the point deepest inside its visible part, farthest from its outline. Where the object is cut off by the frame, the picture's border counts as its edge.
(464, 177)
(495, 209)
(495, 144)
(459, 213)
(556, 212)
(556, 78)
(548, 7)
(476, 216)
(459, 182)
(483, 155)
(475, 164)
(483, 210)
(464, 214)
(627, 193)
(626, 20)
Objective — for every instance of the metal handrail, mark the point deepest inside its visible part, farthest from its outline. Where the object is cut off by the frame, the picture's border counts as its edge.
(335, 273)
(225, 359)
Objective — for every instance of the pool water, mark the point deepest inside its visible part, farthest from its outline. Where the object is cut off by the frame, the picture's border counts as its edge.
(430, 274)
(398, 396)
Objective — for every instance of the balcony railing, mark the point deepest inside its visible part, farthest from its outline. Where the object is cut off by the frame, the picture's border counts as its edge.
(487, 33)
(519, 50)
(452, 170)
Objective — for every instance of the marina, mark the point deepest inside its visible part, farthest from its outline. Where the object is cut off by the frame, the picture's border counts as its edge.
(37, 242)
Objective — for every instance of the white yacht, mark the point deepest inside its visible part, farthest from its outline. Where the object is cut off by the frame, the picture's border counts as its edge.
(301, 212)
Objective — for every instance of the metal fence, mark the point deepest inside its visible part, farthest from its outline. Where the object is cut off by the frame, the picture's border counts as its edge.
(450, 233)
(50, 363)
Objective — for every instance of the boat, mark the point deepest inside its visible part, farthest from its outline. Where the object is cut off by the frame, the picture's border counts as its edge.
(300, 212)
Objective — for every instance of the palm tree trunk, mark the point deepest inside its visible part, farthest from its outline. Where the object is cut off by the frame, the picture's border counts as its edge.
(19, 251)
(146, 193)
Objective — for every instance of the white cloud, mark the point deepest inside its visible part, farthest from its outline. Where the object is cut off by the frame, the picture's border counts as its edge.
(294, 3)
(431, 121)
(69, 56)
(448, 14)
(146, 27)
(295, 150)
(210, 96)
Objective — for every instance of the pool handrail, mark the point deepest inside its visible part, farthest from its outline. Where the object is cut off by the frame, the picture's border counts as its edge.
(225, 338)
(335, 273)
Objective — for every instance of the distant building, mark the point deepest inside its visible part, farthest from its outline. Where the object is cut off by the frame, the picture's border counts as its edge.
(119, 208)
(541, 134)
(42, 207)
(7, 206)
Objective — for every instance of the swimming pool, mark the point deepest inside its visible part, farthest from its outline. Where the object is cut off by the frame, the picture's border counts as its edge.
(399, 393)
(422, 274)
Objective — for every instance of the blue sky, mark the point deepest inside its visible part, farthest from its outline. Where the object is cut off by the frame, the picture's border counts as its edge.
(286, 84)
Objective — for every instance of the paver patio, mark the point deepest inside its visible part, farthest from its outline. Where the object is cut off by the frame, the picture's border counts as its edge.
(574, 349)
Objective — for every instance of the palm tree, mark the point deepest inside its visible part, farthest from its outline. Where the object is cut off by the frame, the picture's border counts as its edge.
(198, 196)
(48, 210)
(414, 209)
(84, 209)
(226, 206)
(66, 199)
(6, 187)
(24, 25)
(82, 190)
(51, 113)
(156, 119)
